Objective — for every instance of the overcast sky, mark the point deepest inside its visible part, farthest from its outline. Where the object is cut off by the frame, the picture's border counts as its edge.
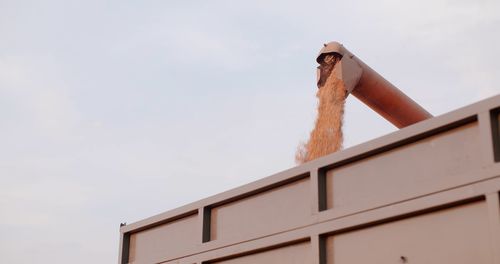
(113, 111)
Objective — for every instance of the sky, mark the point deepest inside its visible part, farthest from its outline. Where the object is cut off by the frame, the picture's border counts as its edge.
(114, 111)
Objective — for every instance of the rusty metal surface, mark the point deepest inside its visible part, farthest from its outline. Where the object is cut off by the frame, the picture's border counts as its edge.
(419, 188)
(372, 89)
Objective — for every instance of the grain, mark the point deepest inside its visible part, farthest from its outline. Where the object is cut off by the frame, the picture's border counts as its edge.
(326, 137)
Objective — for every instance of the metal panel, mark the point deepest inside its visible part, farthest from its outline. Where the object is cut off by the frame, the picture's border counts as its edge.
(269, 212)
(456, 235)
(407, 171)
(292, 254)
(164, 241)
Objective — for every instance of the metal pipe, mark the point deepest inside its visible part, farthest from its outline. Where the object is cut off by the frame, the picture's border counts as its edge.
(368, 86)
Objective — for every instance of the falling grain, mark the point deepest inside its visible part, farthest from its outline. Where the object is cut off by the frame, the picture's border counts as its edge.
(326, 137)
